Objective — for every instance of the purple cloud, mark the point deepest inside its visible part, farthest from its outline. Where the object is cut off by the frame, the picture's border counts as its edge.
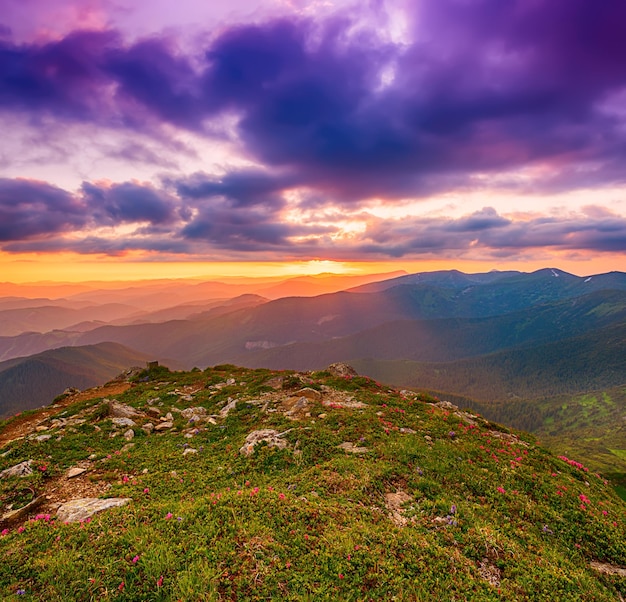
(29, 209)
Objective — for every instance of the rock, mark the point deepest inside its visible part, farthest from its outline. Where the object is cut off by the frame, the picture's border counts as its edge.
(322, 416)
(190, 450)
(228, 407)
(446, 405)
(163, 426)
(129, 434)
(19, 513)
(75, 471)
(197, 414)
(405, 430)
(230, 382)
(41, 428)
(42, 438)
(395, 502)
(123, 422)
(169, 417)
(275, 383)
(148, 427)
(81, 509)
(341, 369)
(310, 393)
(71, 391)
(127, 447)
(121, 410)
(353, 449)
(153, 411)
(270, 436)
(302, 403)
(23, 469)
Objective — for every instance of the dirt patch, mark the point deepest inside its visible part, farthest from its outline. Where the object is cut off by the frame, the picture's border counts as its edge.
(608, 569)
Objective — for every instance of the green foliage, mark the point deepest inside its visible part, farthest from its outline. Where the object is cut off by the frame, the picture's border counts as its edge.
(487, 515)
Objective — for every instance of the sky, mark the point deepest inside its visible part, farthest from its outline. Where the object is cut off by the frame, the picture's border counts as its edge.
(161, 138)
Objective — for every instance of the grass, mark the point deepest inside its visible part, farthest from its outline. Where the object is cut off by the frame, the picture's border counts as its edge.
(310, 522)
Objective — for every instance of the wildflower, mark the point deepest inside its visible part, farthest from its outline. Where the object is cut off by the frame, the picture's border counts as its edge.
(160, 581)
(281, 496)
(288, 565)
(21, 592)
(146, 490)
(501, 490)
(135, 559)
(21, 529)
(121, 586)
(584, 499)
(168, 516)
(4, 532)
(124, 479)
(340, 575)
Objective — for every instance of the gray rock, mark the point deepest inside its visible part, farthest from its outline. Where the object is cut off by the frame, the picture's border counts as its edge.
(163, 426)
(196, 414)
(153, 411)
(341, 369)
(42, 438)
(270, 436)
(190, 450)
(81, 509)
(129, 434)
(148, 427)
(121, 410)
(23, 469)
(310, 393)
(121, 421)
(353, 449)
(75, 472)
(228, 407)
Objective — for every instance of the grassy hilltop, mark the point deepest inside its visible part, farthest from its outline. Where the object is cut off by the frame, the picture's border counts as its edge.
(353, 492)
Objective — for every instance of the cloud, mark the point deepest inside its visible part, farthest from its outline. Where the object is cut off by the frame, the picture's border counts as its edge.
(129, 202)
(480, 87)
(31, 208)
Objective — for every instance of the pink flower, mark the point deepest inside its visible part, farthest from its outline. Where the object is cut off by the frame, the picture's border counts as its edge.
(4, 532)
(168, 516)
(121, 586)
(604, 512)
(146, 490)
(281, 496)
(160, 581)
(501, 490)
(288, 565)
(340, 575)
(124, 479)
(135, 559)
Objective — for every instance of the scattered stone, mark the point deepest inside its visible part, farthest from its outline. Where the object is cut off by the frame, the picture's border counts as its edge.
(75, 472)
(301, 404)
(446, 405)
(211, 420)
(275, 383)
(405, 430)
(169, 416)
(121, 410)
(93, 457)
(163, 426)
(608, 569)
(322, 416)
(81, 509)
(228, 407)
(395, 502)
(190, 450)
(310, 393)
(148, 427)
(197, 414)
(23, 469)
(123, 421)
(353, 449)
(230, 382)
(42, 438)
(349, 404)
(127, 447)
(154, 412)
(129, 434)
(270, 436)
(41, 428)
(489, 572)
(19, 513)
(341, 369)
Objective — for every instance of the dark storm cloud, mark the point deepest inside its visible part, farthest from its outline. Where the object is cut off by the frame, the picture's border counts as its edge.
(29, 208)
(486, 86)
(128, 202)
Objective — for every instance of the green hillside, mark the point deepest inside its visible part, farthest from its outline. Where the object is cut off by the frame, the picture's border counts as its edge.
(355, 492)
(31, 382)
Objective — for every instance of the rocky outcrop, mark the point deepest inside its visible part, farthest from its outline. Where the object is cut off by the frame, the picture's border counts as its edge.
(81, 509)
